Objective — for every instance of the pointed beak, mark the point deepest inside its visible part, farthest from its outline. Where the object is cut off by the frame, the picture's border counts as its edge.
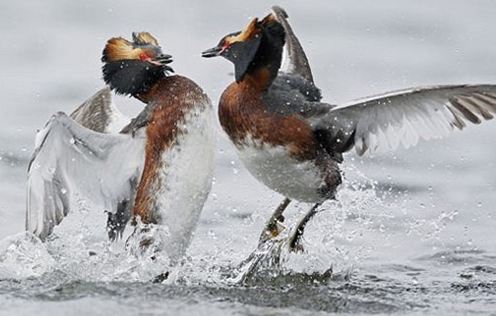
(212, 52)
(162, 59)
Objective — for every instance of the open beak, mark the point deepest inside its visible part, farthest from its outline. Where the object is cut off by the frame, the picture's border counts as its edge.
(162, 59)
(212, 52)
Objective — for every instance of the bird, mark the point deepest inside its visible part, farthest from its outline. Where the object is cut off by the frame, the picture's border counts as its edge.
(156, 170)
(293, 142)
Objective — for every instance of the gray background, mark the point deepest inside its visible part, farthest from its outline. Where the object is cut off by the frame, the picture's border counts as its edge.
(429, 222)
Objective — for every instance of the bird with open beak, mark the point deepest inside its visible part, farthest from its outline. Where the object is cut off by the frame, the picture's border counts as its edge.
(157, 170)
(294, 143)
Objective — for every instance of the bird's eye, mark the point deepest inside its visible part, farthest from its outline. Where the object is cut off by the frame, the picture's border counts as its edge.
(144, 56)
(225, 46)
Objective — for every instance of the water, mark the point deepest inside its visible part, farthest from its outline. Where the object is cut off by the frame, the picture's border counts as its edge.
(413, 231)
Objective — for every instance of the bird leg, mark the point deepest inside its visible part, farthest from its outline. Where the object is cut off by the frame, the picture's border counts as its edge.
(274, 225)
(116, 222)
(295, 240)
(268, 252)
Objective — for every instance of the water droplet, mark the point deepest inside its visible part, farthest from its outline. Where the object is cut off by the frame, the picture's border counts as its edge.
(212, 234)
(382, 228)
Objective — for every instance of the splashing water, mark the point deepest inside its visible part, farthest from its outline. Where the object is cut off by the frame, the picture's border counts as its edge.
(78, 247)
(347, 237)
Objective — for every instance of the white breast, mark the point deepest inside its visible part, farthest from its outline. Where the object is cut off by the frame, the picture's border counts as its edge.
(186, 179)
(273, 166)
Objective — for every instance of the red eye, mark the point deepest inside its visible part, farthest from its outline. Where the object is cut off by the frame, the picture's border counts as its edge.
(225, 46)
(143, 56)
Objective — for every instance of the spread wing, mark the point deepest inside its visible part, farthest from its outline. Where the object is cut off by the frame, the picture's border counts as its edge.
(139, 121)
(295, 60)
(403, 117)
(99, 114)
(71, 162)
(293, 90)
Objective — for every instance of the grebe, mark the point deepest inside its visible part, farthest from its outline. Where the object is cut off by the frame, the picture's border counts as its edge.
(157, 170)
(293, 143)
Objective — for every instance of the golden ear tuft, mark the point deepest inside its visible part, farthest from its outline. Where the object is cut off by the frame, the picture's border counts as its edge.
(119, 48)
(144, 38)
(249, 32)
(269, 18)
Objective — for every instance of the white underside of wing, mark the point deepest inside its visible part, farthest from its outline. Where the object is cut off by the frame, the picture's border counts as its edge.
(389, 129)
(286, 66)
(384, 122)
(117, 120)
(71, 163)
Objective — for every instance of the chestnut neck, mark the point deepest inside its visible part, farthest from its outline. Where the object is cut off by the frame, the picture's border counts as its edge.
(155, 90)
(259, 79)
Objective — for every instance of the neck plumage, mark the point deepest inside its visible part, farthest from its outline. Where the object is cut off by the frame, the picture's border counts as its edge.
(132, 77)
(260, 79)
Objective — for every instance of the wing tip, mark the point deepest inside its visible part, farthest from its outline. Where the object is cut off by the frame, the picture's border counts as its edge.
(279, 11)
(296, 60)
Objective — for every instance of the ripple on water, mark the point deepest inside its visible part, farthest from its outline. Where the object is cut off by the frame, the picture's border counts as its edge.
(455, 257)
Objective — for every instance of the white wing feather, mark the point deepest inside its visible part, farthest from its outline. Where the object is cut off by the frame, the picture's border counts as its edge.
(71, 162)
(384, 122)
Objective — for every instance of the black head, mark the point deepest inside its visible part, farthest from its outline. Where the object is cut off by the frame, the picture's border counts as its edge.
(259, 44)
(133, 67)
